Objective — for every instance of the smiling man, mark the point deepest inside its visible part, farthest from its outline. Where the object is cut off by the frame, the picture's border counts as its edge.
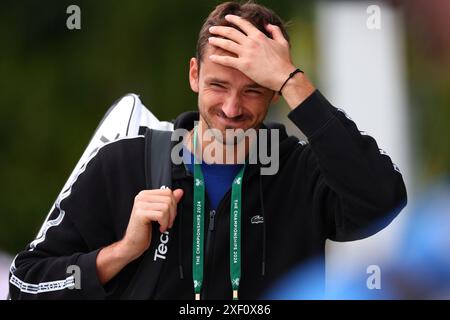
(225, 230)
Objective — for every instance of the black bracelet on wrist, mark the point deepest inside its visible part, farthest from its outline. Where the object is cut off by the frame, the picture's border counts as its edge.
(289, 78)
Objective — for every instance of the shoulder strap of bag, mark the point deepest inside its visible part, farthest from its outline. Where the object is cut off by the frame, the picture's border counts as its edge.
(158, 174)
(158, 169)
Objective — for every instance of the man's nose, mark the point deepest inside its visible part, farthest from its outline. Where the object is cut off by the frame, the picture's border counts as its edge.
(231, 108)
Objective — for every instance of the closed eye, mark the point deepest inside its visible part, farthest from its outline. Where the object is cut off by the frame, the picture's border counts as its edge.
(217, 85)
(252, 91)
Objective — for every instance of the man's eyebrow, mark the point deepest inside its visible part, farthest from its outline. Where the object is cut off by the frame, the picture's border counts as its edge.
(216, 80)
(253, 85)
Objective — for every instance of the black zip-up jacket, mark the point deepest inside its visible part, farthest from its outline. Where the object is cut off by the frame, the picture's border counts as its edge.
(339, 186)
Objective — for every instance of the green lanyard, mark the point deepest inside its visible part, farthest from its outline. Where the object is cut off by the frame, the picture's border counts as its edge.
(198, 228)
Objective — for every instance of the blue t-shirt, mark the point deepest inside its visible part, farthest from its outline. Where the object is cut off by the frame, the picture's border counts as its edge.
(218, 177)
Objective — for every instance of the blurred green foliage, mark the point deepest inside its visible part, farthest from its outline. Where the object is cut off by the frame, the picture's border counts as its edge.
(56, 84)
(429, 83)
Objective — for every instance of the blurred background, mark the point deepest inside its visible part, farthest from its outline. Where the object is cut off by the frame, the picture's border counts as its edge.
(386, 63)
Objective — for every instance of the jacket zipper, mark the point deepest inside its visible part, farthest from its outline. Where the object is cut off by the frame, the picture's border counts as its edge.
(210, 243)
(212, 214)
(210, 236)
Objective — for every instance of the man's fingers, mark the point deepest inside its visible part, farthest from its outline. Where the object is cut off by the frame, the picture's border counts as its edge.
(164, 200)
(168, 205)
(151, 198)
(229, 33)
(276, 33)
(151, 215)
(159, 192)
(178, 194)
(163, 220)
(243, 24)
(166, 212)
(226, 61)
(172, 215)
(225, 44)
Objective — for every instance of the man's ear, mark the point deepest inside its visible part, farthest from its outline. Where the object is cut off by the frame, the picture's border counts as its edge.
(193, 74)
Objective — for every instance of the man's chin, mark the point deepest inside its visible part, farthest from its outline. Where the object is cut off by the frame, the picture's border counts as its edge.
(230, 136)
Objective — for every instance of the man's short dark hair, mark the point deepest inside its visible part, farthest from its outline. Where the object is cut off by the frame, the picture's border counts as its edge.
(257, 14)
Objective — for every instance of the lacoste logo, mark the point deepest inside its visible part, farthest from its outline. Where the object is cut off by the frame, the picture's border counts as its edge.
(257, 219)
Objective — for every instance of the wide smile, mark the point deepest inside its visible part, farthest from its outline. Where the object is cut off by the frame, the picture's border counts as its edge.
(233, 123)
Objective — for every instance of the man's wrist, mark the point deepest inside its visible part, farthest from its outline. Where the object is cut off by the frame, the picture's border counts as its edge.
(297, 89)
(110, 261)
(123, 253)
